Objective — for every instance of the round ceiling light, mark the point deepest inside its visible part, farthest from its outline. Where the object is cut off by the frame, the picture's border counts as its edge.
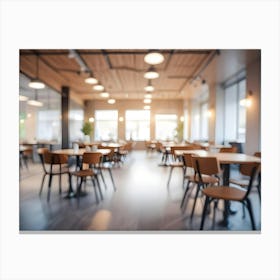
(148, 96)
(23, 98)
(147, 107)
(154, 58)
(98, 87)
(91, 81)
(149, 88)
(37, 84)
(151, 73)
(35, 103)
(104, 94)
(147, 101)
(111, 101)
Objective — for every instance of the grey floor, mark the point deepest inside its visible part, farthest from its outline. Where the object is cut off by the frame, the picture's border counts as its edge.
(142, 202)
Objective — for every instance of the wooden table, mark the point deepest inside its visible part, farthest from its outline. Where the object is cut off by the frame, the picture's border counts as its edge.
(226, 159)
(77, 154)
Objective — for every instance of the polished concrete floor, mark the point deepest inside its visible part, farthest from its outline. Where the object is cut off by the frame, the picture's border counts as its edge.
(142, 202)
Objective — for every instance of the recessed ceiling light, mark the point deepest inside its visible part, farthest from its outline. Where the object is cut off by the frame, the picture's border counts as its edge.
(111, 101)
(154, 58)
(98, 87)
(147, 107)
(104, 94)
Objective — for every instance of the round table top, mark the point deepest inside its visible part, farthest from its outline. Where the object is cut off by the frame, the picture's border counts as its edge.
(80, 152)
(225, 158)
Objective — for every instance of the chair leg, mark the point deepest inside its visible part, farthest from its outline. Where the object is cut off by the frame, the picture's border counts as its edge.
(49, 187)
(99, 188)
(249, 206)
(42, 184)
(214, 214)
(111, 175)
(185, 194)
(195, 199)
(204, 212)
(170, 174)
(259, 186)
(95, 191)
(184, 173)
(59, 183)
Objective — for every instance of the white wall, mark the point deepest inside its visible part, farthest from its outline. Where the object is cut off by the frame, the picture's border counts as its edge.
(253, 116)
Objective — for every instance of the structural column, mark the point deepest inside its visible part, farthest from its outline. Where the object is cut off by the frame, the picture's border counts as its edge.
(65, 96)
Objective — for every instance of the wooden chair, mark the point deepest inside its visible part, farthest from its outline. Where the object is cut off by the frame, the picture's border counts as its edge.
(228, 150)
(207, 176)
(26, 156)
(53, 165)
(165, 153)
(175, 163)
(215, 193)
(91, 160)
(244, 181)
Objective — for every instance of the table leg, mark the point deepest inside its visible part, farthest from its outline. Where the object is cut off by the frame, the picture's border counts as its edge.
(226, 175)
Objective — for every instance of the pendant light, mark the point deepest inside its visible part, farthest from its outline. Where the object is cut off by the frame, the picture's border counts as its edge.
(147, 101)
(35, 102)
(91, 80)
(147, 107)
(151, 73)
(147, 96)
(154, 58)
(149, 87)
(104, 94)
(111, 101)
(98, 87)
(36, 83)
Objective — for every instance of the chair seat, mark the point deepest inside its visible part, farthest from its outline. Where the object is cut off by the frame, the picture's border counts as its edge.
(56, 171)
(205, 178)
(176, 164)
(225, 192)
(84, 173)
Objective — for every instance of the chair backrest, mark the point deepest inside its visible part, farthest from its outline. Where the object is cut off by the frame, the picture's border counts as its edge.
(228, 150)
(250, 169)
(52, 158)
(92, 158)
(258, 154)
(188, 159)
(174, 148)
(206, 165)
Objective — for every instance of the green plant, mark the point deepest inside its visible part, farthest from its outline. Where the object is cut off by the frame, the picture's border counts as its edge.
(179, 131)
(87, 128)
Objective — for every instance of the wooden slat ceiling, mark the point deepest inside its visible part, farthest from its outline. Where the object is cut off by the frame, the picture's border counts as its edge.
(120, 71)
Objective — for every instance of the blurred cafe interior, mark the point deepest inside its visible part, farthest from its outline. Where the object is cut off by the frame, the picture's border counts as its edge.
(140, 140)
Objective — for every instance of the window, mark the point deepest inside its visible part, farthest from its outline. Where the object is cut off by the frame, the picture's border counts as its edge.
(106, 125)
(137, 125)
(204, 122)
(48, 125)
(76, 120)
(39, 123)
(166, 125)
(235, 114)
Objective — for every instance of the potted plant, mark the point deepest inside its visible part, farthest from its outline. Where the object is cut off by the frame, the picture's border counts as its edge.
(179, 132)
(87, 129)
